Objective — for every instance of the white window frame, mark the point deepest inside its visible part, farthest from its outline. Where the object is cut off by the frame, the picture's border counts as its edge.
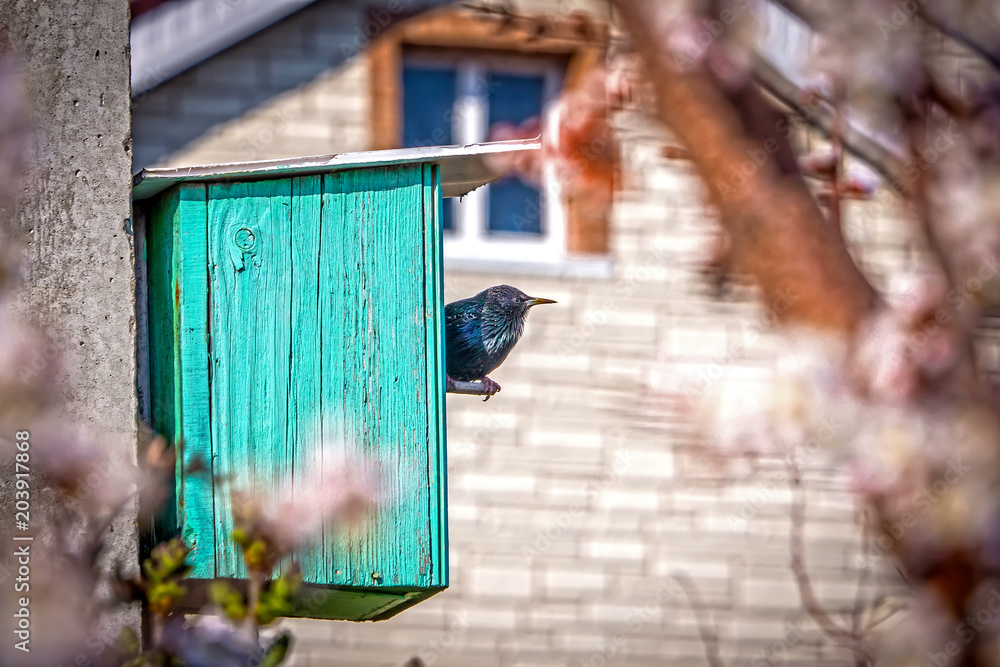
(470, 240)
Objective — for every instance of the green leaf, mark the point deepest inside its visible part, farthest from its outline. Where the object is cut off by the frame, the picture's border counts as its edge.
(168, 560)
(240, 537)
(277, 651)
(162, 596)
(229, 600)
(128, 642)
(277, 599)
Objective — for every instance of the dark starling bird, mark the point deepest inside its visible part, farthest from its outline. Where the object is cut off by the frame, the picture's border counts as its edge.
(479, 333)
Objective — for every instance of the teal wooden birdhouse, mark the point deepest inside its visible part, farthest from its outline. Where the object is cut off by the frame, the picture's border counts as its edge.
(294, 306)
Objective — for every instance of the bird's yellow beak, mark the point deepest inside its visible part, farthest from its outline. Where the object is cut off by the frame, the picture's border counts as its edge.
(535, 302)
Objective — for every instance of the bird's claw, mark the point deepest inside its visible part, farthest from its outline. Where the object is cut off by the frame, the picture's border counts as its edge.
(492, 387)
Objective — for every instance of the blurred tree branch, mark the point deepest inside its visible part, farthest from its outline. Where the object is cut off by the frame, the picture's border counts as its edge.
(708, 634)
(737, 140)
(862, 602)
(803, 9)
(913, 357)
(821, 115)
(986, 46)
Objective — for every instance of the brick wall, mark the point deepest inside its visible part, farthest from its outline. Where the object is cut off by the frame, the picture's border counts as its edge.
(270, 86)
(297, 88)
(577, 492)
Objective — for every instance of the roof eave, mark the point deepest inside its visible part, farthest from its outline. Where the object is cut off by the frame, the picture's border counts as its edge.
(463, 168)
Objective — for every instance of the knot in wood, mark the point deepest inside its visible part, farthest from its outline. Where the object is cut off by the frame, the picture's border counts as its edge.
(244, 239)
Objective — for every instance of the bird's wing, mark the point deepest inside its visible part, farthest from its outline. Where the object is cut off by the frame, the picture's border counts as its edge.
(461, 311)
(463, 337)
(462, 320)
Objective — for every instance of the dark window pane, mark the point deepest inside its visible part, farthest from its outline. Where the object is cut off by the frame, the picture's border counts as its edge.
(514, 98)
(515, 206)
(428, 101)
(448, 214)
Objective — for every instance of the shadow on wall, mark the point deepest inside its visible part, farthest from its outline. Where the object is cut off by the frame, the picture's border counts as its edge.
(279, 58)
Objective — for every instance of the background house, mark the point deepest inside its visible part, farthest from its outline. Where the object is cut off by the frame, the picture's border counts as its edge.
(580, 489)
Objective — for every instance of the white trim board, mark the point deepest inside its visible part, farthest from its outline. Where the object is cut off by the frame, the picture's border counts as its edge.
(463, 168)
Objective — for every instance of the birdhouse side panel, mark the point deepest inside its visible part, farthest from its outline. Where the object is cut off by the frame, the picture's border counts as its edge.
(376, 394)
(295, 327)
(179, 363)
(161, 332)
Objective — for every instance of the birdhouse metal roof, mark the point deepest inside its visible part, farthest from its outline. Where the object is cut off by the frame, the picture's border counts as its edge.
(463, 168)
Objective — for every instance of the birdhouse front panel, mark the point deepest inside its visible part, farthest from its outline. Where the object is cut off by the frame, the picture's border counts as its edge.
(295, 323)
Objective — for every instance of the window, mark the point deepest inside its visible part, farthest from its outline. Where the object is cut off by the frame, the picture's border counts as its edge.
(455, 98)
(443, 78)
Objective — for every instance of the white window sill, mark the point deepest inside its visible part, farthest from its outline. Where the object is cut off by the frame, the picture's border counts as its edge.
(601, 267)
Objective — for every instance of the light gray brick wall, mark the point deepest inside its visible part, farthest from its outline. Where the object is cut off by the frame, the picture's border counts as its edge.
(580, 489)
(297, 88)
(186, 117)
(575, 493)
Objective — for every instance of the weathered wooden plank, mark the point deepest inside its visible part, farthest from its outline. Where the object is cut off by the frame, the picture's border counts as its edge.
(374, 368)
(140, 253)
(303, 428)
(337, 250)
(250, 255)
(396, 266)
(148, 516)
(394, 210)
(437, 557)
(160, 327)
(191, 364)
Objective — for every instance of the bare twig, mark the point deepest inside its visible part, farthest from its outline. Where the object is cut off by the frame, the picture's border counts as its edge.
(255, 587)
(834, 631)
(821, 115)
(801, 10)
(936, 16)
(915, 115)
(575, 26)
(861, 602)
(709, 636)
(955, 105)
(837, 145)
(883, 611)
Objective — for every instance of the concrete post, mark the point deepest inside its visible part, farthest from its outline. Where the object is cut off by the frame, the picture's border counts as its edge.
(72, 221)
